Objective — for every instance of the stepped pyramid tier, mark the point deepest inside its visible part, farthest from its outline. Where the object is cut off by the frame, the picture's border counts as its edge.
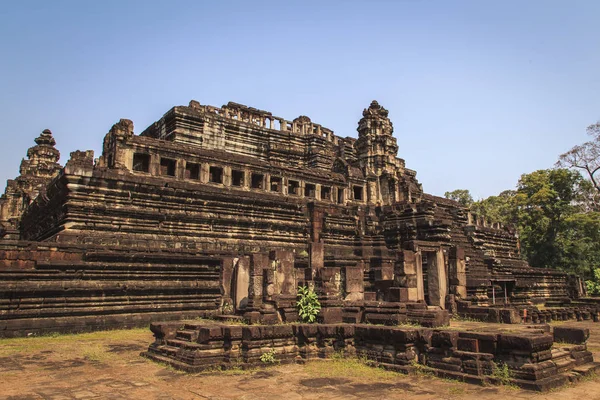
(214, 210)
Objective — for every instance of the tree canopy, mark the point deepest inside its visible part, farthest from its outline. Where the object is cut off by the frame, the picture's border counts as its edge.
(555, 212)
(463, 196)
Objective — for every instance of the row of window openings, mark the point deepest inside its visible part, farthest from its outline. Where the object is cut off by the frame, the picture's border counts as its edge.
(141, 163)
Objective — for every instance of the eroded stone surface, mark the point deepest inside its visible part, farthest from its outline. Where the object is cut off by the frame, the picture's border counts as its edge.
(227, 210)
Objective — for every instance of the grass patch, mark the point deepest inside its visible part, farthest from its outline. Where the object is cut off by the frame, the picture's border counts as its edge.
(408, 324)
(460, 318)
(349, 367)
(422, 370)
(90, 346)
(456, 391)
(96, 353)
(504, 375)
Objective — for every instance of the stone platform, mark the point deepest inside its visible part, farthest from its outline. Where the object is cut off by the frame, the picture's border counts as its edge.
(535, 359)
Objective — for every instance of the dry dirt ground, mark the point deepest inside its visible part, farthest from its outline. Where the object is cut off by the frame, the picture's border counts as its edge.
(107, 365)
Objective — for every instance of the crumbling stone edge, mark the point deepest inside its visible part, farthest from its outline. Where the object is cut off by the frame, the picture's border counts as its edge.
(537, 360)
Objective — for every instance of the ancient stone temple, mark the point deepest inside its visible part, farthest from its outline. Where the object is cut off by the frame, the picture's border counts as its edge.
(36, 172)
(228, 210)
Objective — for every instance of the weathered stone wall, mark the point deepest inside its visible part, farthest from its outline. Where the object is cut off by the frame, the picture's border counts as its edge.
(36, 171)
(72, 288)
(276, 203)
(531, 359)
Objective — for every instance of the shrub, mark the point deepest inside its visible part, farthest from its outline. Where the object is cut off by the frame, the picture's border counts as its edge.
(593, 286)
(268, 357)
(308, 304)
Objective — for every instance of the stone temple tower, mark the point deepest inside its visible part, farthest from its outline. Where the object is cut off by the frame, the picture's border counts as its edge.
(377, 153)
(36, 172)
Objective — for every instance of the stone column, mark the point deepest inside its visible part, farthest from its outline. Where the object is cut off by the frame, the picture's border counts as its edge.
(419, 273)
(204, 170)
(154, 164)
(457, 272)
(437, 279)
(227, 175)
(242, 283)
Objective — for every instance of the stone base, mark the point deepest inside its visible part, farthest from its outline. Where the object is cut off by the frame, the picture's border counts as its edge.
(533, 361)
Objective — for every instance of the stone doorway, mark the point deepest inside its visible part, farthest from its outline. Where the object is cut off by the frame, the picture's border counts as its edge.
(432, 277)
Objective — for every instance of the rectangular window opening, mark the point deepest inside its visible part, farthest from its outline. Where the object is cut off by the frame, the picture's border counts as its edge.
(340, 196)
(293, 187)
(167, 166)
(275, 184)
(326, 193)
(215, 174)
(310, 190)
(257, 181)
(358, 193)
(192, 171)
(141, 162)
(237, 178)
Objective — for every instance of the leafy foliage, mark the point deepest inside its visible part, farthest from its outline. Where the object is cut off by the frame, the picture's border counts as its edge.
(308, 304)
(502, 373)
(462, 196)
(554, 214)
(497, 208)
(268, 357)
(593, 285)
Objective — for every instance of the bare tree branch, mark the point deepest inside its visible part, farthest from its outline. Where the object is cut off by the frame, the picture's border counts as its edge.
(585, 157)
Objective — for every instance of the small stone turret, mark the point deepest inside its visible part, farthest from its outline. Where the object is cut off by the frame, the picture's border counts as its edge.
(36, 172)
(377, 151)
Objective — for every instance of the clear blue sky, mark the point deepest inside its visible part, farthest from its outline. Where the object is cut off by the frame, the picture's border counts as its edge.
(479, 91)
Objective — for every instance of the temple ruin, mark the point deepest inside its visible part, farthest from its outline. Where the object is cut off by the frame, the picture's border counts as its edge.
(213, 211)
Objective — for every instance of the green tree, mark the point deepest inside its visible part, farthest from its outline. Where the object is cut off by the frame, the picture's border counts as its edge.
(462, 196)
(555, 229)
(497, 208)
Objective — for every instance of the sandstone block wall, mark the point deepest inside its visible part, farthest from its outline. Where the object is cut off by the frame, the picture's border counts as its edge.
(533, 359)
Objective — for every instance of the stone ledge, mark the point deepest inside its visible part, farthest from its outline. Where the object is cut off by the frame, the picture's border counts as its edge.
(530, 362)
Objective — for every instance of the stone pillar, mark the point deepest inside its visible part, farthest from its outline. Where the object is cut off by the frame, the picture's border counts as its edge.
(258, 263)
(372, 195)
(284, 185)
(227, 175)
(180, 169)
(405, 278)
(154, 165)
(354, 283)
(242, 283)
(204, 170)
(437, 279)
(227, 283)
(419, 274)
(316, 257)
(457, 272)
(284, 281)
(247, 179)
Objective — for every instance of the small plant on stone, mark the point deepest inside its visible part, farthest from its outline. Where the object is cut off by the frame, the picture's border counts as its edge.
(308, 304)
(303, 253)
(421, 370)
(268, 357)
(502, 373)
